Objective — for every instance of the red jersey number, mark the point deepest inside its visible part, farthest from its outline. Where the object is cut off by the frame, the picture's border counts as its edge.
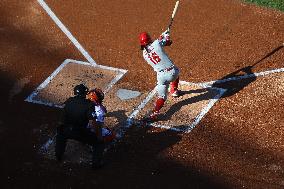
(154, 57)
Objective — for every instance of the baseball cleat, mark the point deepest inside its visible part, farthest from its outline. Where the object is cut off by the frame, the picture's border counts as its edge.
(176, 93)
(152, 117)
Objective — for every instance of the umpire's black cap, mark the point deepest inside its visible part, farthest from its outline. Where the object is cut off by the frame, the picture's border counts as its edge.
(81, 90)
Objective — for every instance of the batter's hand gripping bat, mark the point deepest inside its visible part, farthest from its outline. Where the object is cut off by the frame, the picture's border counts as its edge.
(173, 15)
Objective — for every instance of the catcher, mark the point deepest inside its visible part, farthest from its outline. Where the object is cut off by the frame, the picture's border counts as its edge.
(167, 72)
(97, 96)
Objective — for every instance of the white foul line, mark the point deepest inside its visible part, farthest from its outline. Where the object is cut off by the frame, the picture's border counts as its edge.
(207, 84)
(66, 32)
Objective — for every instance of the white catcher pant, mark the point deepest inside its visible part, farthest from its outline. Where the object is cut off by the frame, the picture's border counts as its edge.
(163, 81)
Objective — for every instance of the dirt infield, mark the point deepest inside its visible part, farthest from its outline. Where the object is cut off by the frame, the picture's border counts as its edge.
(239, 143)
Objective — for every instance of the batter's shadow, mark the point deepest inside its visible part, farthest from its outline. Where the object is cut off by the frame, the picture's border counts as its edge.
(177, 106)
(231, 87)
(239, 79)
(231, 83)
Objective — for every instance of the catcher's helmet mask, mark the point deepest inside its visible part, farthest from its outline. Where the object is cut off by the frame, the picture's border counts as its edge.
(96, 95)
(81, 90)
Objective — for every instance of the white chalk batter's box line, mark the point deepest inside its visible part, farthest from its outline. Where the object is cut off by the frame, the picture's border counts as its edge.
(197, 119)
(30, 98)
(259, 74)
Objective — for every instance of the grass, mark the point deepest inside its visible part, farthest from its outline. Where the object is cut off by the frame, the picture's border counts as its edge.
(276, 4)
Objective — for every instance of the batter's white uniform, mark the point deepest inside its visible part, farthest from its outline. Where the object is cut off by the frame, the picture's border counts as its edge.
(156, 57)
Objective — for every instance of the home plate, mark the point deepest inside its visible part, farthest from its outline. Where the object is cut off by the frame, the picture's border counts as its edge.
(185, 112)
(125, 94)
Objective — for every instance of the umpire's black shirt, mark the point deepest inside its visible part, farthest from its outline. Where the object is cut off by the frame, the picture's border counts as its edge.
(78, 111)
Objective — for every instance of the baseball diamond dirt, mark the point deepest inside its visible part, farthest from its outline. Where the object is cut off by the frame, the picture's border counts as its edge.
(219, 45)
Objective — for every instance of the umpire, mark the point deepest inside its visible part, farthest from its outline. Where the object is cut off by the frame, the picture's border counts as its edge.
(78, 113)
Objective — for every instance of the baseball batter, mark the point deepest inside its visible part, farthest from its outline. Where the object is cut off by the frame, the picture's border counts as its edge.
(167, 72)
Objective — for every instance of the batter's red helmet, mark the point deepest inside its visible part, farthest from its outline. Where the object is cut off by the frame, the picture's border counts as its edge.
(144, 39)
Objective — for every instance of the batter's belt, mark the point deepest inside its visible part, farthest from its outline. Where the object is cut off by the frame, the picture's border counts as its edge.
(167, 69)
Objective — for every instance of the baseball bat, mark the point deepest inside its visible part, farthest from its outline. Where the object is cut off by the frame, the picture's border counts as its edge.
(173, 15)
